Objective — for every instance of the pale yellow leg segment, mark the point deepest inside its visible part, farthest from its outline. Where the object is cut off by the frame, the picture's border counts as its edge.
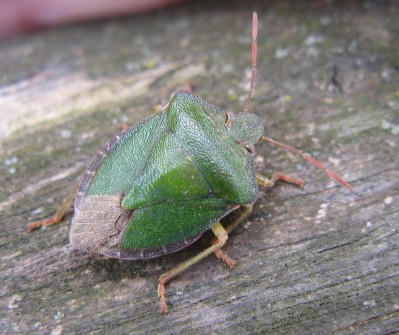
(59, 214)
(242, 216)
(222, 237)
(220, 253)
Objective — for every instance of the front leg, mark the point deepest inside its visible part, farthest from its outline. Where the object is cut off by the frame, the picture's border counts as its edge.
(269, 182)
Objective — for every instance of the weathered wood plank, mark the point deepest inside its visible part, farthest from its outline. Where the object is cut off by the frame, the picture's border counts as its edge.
(319, 260)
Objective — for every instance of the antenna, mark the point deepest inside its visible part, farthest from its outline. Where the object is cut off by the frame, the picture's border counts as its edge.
(254, 52)
(313, 161)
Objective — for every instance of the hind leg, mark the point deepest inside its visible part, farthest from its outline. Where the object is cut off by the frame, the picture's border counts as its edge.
(59, 215)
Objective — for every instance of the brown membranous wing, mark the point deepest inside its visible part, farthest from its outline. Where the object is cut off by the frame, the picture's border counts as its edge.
(98, 223)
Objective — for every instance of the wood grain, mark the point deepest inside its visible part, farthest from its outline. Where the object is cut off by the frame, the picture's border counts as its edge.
(320, 260)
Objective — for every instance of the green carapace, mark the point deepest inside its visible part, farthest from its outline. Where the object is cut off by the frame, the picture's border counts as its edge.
(157, 186)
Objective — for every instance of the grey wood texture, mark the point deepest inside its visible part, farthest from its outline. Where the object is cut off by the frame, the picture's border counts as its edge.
(320, 260)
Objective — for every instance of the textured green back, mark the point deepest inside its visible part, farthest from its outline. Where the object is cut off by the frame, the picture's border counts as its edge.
(180, 171)
(129, 158)
(227, 166)
(163, 224)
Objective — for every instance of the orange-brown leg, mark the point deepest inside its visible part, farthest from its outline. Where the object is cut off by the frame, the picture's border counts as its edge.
(269, 182)
(59, 214)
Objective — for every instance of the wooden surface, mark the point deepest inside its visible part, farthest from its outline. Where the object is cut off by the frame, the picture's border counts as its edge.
(320, 260)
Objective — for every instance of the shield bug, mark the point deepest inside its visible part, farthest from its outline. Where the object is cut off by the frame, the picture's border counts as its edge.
(157, 186)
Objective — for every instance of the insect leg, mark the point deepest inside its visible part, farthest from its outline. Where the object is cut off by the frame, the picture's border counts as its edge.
(239, 218)
(187, 86)
(60, 212)
(311, 160)
(222, 237)
(269, 182)
(266, 182)
(220, 253)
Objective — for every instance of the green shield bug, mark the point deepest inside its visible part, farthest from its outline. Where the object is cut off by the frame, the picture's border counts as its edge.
(155, 187)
